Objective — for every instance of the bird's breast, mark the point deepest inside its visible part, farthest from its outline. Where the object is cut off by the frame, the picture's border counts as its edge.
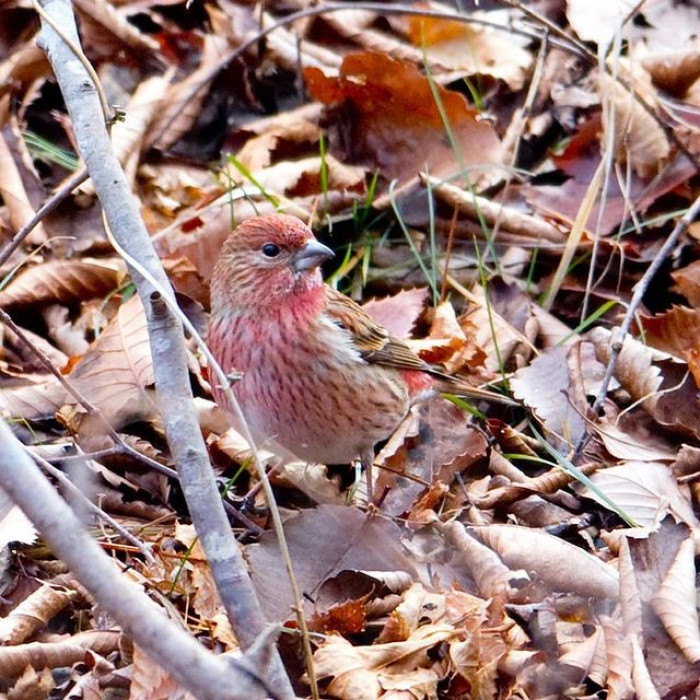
(306, 388)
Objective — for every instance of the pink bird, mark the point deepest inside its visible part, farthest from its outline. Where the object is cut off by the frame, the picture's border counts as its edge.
(319, 379)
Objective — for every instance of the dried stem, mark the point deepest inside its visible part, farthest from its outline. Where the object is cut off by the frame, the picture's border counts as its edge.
(639, 291)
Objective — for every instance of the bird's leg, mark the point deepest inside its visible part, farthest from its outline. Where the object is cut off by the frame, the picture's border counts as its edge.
(367, 460)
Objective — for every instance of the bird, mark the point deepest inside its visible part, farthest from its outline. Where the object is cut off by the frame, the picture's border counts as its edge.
(316, 377)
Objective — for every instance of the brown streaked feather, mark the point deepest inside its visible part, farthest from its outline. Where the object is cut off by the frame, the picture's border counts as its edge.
(376, 344)
(373, 341)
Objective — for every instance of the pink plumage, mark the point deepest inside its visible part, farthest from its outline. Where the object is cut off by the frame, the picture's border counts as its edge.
(320, 380)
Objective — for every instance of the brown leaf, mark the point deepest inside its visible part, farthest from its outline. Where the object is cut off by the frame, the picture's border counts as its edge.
(618, 647)
(205, 598)
(12, 185)
(343, 618)
(148, 680)
(579, 162)
(674, 71)
(117, 371)
(688, 280)
(678, 332)
(398, 313)
(447, 445)
(638, 139)
(359, 673)
(555, 561)
(322, 542)
(394, 122)
(646, 491)
(293, 128)
(108, 32)
(661, 382)
(675, 603)
(652, 558)
(303, 177)
(546, 386)
(62, 281)
(472, 48)
(37, 399)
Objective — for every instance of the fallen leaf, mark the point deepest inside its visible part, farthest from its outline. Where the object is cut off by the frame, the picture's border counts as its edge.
(394, 121)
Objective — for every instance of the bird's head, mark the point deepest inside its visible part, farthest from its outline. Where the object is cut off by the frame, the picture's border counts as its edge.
(266, 260)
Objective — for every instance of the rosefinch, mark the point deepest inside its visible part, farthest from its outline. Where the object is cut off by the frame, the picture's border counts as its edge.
(318, 377)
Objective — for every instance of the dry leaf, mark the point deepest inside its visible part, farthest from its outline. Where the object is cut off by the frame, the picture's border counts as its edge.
(646, 491)
(63, 281)
(398, 313)
(322, 542)
(675, 602)
(546, 386)
(117, 372)
(556, 562)
(638, 139)
(472, 48)
(391, 99)
(14, 524)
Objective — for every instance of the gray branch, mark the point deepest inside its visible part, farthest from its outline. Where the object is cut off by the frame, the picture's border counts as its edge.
(204, 674)
(166, 335)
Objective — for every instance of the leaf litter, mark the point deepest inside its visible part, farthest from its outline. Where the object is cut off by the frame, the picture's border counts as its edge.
(446, 163)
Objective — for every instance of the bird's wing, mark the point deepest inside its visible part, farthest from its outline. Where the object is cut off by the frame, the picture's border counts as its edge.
(374, 342)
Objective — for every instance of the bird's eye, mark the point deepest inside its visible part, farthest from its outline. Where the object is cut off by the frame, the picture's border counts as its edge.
(270, 250)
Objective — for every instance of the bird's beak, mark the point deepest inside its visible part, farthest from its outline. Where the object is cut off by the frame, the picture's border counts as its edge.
(311, 255)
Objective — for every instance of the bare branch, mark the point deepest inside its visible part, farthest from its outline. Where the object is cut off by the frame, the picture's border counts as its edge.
(166, 335)
(140, 618)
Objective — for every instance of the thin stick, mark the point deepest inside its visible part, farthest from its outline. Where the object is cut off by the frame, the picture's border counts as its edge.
(76, 493)
(83, 400)
(639, 292)
(46, 208)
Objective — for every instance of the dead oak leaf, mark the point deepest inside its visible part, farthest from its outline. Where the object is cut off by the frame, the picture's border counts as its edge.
(678, 332)
(637, 137)
(659, 381)
(391, 119)
(62, 281)
(322, 543)
(361, 673)
(646, 491)
(117, 372)
(474, 49)
(398, 313)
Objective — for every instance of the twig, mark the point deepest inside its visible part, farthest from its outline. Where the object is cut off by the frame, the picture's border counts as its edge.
(639, 291)
(205, 675)
(76, 493)
(47, 207)
(510, 219)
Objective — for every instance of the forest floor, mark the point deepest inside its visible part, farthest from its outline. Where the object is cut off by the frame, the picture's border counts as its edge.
(511, 188)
